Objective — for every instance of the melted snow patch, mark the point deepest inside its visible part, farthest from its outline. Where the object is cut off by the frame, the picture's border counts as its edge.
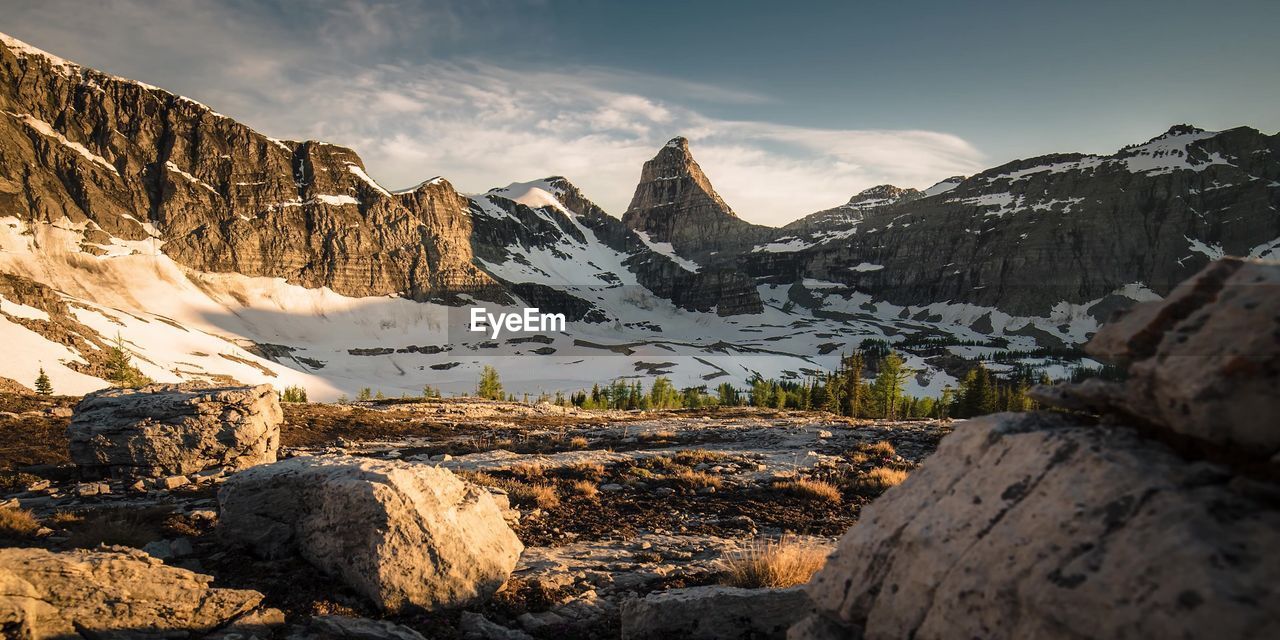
(21, 310)
(535, 195)
(336, 200)
(45, 129)
(866, 266)
(424, 183)
(942, 187)
(1167, 153)
(174, 168)
(666, 249)
(359, 173)
(1266, 250)
(1211, 251)
(788, 244)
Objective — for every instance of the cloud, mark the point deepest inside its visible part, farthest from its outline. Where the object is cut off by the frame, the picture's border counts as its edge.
(381, 78)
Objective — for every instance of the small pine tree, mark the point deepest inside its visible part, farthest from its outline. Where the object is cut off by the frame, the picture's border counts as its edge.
(490, 385)
(294, 394)
(120, 369)
(43, 386)
(365, 394)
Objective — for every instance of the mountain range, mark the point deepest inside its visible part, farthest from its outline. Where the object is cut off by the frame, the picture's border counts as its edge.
(135, 216)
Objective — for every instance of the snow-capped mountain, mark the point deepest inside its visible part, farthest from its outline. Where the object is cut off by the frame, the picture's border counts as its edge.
(215, 252)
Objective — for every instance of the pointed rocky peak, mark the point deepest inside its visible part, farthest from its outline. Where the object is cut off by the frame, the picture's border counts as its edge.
(675, 202)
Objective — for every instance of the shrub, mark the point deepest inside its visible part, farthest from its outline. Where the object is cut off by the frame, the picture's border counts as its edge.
(17, 523)
(579, 442)
(293, 394)
(808, 489)
(773, 564)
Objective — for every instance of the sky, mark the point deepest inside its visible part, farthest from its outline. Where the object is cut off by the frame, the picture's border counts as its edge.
(790, 107)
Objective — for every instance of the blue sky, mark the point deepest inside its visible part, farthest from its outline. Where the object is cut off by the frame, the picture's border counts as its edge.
(790, 106)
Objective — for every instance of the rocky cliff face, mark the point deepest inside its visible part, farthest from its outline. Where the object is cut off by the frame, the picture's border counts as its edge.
(857, 207)
(547, 233)
(120, 159)
(676, 203)
(1030, 234)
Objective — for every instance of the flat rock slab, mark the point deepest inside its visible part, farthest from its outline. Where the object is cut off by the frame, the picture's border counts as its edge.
(1037, 526)
(170, 430)
(713, 613)
(403, 534)
(111, 595)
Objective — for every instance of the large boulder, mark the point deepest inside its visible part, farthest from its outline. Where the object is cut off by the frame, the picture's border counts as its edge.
(403, 534)
(174, 429)
(1046, 526)
(112, 595)
(1205, 361)
(713, 613)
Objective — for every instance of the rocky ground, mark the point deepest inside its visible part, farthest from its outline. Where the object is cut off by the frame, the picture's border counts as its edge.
(607, 504)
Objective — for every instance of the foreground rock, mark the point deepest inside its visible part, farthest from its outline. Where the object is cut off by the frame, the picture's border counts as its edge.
(112, 595)
(713, 613)
(1205, 361)
(1034, 525)
(167, 429)
(402, 534)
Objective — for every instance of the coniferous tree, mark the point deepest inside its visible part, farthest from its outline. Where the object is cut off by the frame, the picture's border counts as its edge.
(490, 385)
(120, 369)
(43, 386)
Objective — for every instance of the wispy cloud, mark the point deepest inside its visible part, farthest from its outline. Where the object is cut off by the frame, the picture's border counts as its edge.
(342, 71)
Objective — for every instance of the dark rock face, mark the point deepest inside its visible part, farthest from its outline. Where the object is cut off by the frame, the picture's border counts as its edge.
(676, 203)
(581, 223)
(135, 162)
(856, 208)
(1029, 234)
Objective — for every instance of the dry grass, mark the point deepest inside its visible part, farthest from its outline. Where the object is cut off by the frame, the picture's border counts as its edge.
(698, 456)
(479, 477)
(881, 478)
(579, 442)
(807, 489)
(584, 488)
(882, 449)
(656, 436)
(690, 479)
(588, 470)
(667, 464)
(773, 564)
(528, 471)
(541, 494)
(63, 519)
(15, 481)
(17, 523)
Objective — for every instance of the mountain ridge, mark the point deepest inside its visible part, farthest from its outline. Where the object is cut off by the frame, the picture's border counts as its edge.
(221, 253)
